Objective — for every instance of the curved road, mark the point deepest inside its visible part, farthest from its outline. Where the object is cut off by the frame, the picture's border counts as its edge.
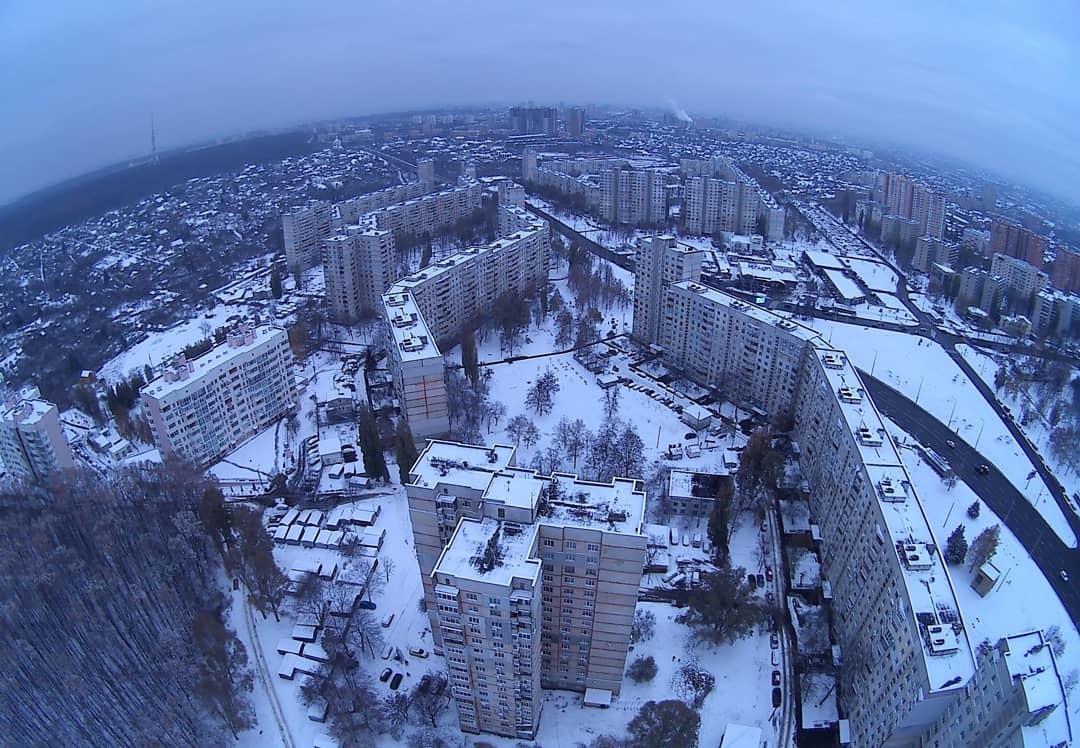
(1023, 519)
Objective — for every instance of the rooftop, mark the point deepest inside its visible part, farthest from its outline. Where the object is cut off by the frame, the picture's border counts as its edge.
(453, 463)
(511, 555)
(26, 408)
(183, 373)
(750, 310)
(1031, 664)
(408, 328)
(618, 506)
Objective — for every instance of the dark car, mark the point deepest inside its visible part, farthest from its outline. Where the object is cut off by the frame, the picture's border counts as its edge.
(982, 469)
(366, 605)
(760, 580)
(395, 681)
(776, 677)
(768, 573)
(385, 675)
(777, 696)
(751, 580)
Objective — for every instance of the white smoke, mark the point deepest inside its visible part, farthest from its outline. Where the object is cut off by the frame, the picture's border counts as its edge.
(679, 112)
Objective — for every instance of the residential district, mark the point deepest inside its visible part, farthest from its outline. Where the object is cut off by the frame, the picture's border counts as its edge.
(433, 353)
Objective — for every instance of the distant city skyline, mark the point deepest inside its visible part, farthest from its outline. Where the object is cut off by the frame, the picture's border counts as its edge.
(983, 83)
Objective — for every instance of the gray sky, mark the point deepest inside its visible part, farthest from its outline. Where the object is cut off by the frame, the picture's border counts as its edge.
(991, 82)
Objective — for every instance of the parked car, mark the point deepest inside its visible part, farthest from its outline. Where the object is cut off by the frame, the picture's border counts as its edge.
(388, 650)
(769, 597)
(395, 681)
(418, 652)
(768, 573)
(387, 620)
(751, 580)
(776, 677)
(366, 605)
(385, 675)
(777, 697)
(1064, 576)
(774, 641)
(760, 580)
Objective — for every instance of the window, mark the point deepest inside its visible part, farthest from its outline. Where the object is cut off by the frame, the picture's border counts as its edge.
(571, 544)
(594, 546)
(549, 543)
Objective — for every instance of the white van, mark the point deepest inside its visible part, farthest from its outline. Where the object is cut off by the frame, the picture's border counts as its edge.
(677, 580)
(697, 540)
(387, 620)
(670, 575)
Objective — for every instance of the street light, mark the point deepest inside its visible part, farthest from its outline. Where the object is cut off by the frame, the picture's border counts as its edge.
(982, 422)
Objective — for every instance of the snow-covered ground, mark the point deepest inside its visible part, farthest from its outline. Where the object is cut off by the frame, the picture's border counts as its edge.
(923, 371)
(1039, 428)
(1023, 599)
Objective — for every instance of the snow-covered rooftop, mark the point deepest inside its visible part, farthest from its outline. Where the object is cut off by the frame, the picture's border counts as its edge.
(462, 557)
(750, 310)
(185, 373)
(1031, 664)
(453, 463)
(408, 328)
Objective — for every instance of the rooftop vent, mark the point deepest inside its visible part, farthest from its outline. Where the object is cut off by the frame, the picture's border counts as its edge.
(941, 639)
(890, 490)
(411, 345)
(869, 438)
(833, 361)
(916, 556)
(395, 300)
(849, 395)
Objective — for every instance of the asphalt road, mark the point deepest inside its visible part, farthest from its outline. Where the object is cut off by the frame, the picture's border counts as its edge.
(1018, 514)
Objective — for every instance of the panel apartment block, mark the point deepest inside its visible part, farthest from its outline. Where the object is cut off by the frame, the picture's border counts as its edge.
(304, 230)
(565, 585)
(202, 409)
(32, 444)
(659, 262)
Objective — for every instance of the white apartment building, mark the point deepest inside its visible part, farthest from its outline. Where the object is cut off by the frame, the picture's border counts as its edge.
(1021, 278)
(718, 196)
(32, 444)
(428, 213)
(304, 230)
(906, 659)
(349, 211)
(357, 267)
(425, 172)
(551, 606)
(633, 197)
(202, 409)
(1016, 700)
(429, 307)
(659, 262)
(929, 251)
(1055, 313)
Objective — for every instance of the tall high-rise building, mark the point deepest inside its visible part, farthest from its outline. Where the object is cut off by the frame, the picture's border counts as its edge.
(203, 408)
(534, 120)
(528, 165)
(634, 197)
(357, 267)
(928, 208)
(575, 122)
(718, 196)
(659, 262)
(1065, 272)
(304, 230)
(531, 581)
(32, 444)
(425, 172)
(1014, 240)
(1021, 279)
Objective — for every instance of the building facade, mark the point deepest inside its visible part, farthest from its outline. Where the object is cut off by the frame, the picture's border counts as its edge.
(659, 262)
(633, 197)
(534, 120)
(1065, 271)
(202, 409)
(718, 196)
(548, 600)
(32, 444)
(357, 268)
(1022, 280)
(1014, 240)
(304, 230)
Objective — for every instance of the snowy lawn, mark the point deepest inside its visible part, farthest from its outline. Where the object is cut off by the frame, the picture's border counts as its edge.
(1023, 599)
(923, 371)
(1038, 430)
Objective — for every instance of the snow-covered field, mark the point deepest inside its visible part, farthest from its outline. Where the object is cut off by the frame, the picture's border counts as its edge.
(1023, 599)
(923, 371)
(1038, 430)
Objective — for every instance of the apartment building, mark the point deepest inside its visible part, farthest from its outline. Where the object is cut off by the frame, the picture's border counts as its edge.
(1014, 240)
(1055, 313)
(203, 408)
(929, 251)
(304, 230)
(428, 213)
(718, 196)
(1022, 279)
(1015, 700)
(425, 173)
(534, 120)
(633, 197)
(530, 580)
(349, 211)
(575, 122)
(1065, 270)
(358, 266)
(428, 308)
(904, 197)
(32, 444)
(659, 262)
(905, 655)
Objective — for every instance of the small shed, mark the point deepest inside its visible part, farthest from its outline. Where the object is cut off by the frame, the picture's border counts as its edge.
(696, 417)
(598, 697)
(985, 578)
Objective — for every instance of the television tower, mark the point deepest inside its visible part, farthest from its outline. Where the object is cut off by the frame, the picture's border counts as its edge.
(154, 160)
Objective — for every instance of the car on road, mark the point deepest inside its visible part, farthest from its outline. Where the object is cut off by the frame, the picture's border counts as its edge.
(1064, 576)
(366, 605)
(776, 677)
(751, 580)
(982, 469)
(385, 675)
(760, 580)
(768, 573)
(950, 444)
(777, 697)
(770, 597)
(418, 652)
(395, 681)
(774, 641)
(764, 525)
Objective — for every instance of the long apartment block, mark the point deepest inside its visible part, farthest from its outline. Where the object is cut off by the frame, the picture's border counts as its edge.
(428, 308)
(906, 660)
(203, 408)
(530, 580)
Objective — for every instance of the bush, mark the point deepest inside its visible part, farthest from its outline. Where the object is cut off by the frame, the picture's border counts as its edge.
(973, 510)
(642, 669)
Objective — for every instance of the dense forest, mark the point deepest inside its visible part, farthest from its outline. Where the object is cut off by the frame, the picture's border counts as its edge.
(112, 617)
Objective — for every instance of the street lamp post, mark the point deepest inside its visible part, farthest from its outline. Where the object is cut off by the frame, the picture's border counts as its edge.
(982, 423)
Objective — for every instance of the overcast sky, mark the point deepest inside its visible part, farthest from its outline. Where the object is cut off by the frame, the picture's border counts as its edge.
(990, 82)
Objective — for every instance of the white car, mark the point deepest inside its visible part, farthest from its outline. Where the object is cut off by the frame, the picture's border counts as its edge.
(418, 652)
(1064, 576)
